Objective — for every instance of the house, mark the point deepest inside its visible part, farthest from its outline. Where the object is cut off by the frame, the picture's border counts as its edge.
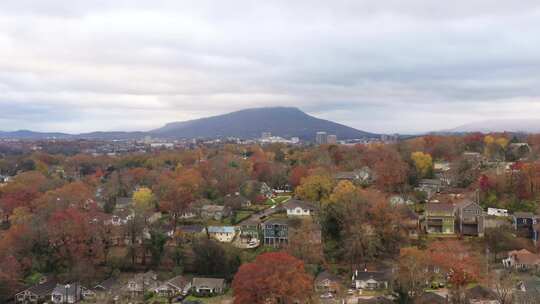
(208, 286)
(430, 186)
(524, 224)
(361, 176)
(142, 282)
(191, 231)
(410, 222)
(37, 293)
(497, 212)
(179, 285)
(123, 203)
(223, 234)
(528, 291)
(522, 260)
(69, 293)
(431, 298)
(236, 201)
(266, 190)
(470, 218)
(121, 217)
(480, 295)
(276, 232)
(249, 230)
(106, 286)
(370, 280)
(215, 212)
(439, 218)
(327, 282)
(296, 207)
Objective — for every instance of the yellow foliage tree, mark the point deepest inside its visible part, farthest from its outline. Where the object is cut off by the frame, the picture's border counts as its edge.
(315, 188)
(423, 162)
(502, 142)
(343, 189)
(144, 199)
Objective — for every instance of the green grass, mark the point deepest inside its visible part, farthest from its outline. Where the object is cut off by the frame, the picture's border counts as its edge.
(277, 200)
(242, 215)
(212, 300)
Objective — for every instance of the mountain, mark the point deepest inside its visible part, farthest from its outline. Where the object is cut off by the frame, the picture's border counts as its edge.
(500, 125)
(27, 134)
(251, 123)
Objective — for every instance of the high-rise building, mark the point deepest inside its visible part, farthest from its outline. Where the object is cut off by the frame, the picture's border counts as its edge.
(331, 139)
(321, 138)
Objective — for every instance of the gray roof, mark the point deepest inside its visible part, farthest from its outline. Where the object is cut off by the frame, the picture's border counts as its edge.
(70, 289)
(209, 282)
(293, 203)
(524, 215)
(42, 290)
(108, 284)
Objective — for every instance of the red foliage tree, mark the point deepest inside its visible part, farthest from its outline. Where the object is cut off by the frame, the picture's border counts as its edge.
(272, 278)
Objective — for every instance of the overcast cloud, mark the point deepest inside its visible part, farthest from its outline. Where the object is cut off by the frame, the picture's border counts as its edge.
(382, 66)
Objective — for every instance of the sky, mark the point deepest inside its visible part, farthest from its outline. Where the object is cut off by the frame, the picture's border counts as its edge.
(389, 66)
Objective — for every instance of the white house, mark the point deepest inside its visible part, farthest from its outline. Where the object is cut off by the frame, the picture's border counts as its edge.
(296, 207)
(497, 212)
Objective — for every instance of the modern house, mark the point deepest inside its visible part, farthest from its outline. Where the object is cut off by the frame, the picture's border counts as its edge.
(470, 218)
(439, 218)
(37, 293)
(276, 232)
(249, 230)
(297, 207)
(524, 223)
(208, 286)
(223, 234)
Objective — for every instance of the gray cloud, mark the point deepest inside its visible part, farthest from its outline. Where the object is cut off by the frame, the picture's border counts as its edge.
(385, 66)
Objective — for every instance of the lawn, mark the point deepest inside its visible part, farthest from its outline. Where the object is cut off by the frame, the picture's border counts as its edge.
(277, 200)
(223, 299)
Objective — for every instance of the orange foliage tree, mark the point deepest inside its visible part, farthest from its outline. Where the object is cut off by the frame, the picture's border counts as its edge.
(275, 277)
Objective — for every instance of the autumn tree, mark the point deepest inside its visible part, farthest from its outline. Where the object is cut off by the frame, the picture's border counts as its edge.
(272, 278)
(413, 272)
(423, 163)
(315, 188)
(305, 242)
(461, 266)
(144, 200)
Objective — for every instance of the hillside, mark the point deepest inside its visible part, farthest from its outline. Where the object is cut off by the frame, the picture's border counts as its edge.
(500, 125)
(250, 123)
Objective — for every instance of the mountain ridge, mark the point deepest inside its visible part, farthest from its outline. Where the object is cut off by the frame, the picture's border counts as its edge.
(247, 123)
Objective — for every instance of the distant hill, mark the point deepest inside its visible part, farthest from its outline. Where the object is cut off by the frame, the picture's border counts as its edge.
(27, 134)
(250, 123)
(500, 125)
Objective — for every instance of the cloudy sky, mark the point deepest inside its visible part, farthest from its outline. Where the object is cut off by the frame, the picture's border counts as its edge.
(383, 66)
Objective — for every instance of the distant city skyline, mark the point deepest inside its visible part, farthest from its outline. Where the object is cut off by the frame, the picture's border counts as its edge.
(380, 66)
